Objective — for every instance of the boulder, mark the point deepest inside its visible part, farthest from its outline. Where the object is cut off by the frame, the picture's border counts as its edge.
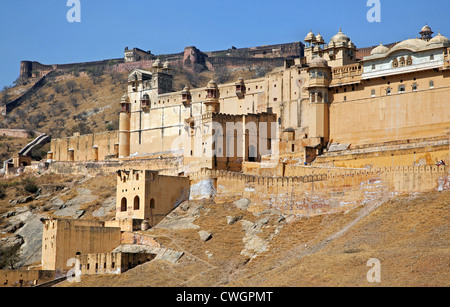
(205, 236)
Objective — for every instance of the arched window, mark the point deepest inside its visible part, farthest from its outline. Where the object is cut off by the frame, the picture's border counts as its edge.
(402, 61)
(414, 87)
(409, 60)
(136, 203)
(395, 63)
(401, 89)
(388, 91)
(123, 205)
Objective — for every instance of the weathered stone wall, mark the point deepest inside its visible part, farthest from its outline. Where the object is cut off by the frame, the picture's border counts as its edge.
(64, 239)
(336, 190)
(83, 145)
(24, 278)
(111, 263)
(166, 166)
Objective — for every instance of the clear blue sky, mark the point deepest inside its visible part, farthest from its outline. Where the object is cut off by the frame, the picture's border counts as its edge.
(39, 30)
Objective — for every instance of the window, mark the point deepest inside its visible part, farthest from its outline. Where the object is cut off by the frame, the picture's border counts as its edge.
(345, 98)
(414, 87)
(152, 204)
(432, 57)
(136, 203)
(388, 91)
(374, 67)
(401, 89)
(431, 84)
(395, 63)
(409, 60)
(372, 93)
(123, 205)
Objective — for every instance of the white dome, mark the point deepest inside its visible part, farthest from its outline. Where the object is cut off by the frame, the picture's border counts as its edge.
(380, 50)
(319, 62)
(440, 39)
(340, 38)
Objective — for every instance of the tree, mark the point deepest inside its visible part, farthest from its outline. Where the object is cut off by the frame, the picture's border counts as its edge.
(5, 98)
(9, 257)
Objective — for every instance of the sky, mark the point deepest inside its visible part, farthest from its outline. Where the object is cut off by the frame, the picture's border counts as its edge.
(38, 30)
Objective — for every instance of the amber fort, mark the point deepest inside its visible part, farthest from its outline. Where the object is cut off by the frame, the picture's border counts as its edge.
(328, 127)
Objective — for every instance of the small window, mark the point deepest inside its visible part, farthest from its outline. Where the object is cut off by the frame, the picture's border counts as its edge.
(414, 87)
(388, 91)
(431, 57)
(345, 98)
(431, 84)
(372, 93)
(374, 67)
(401, 89)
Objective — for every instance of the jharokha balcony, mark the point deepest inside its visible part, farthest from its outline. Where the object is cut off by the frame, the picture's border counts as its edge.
(348, 74)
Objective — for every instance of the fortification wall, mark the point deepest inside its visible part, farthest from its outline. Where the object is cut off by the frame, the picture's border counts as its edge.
(24, 278)
(82, 147)
(334, 191)
(166, 166)
(18, 133)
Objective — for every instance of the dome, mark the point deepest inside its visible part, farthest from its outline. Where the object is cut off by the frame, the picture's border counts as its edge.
(166, 65)
(351, 45)
(380, 50)
(426, 29)
(319, 39)
(157, 63)
(340, 38)
(186, 89)
(440, 39)
(125, 99)
(310, 37)
(212, 84)
(318, 62)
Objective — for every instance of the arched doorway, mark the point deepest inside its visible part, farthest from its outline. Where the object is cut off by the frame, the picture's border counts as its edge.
(123, 205)
(136, 203)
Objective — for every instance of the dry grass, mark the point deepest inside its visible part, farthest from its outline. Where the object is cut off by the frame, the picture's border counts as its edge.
(409, 235)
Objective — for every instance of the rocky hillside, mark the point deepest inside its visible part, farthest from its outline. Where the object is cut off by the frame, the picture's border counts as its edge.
(25, 200)
(227, 245)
